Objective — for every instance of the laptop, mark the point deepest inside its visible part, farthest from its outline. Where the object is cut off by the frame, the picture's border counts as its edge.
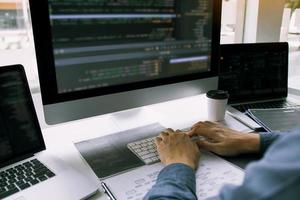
(26, 170)
(256, 76)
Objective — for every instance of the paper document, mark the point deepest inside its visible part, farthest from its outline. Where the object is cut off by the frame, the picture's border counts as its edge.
(212, 174)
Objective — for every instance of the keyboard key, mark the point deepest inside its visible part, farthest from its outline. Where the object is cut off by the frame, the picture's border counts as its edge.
(148, 161)
(138, 150)
(24, 186)
(33, 182)
(142, 153)
(50, 174)
(29, 174)
(10, 187)
(20, 182)
(42, 178)
(146, 150)
(13, 180)
(20, 177)
(3, 184)
(28, 164)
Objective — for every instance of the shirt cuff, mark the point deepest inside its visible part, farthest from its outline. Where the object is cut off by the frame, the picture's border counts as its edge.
(175, 181)
(266, 139)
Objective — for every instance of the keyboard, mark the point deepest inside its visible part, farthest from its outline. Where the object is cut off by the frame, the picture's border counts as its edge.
(145, 150)
(23, 176)
(265, 105)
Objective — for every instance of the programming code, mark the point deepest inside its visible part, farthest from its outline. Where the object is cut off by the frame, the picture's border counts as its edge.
(18, 132)
(259, 74)
(101, 43)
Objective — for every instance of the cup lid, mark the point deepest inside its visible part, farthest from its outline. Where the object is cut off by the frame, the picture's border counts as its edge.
(217, 94)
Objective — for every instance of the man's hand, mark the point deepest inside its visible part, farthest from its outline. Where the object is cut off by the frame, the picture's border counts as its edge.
(224, 141)
(176, 147)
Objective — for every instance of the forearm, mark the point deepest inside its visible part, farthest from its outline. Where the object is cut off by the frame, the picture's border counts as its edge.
(176, 181)
(249, 143)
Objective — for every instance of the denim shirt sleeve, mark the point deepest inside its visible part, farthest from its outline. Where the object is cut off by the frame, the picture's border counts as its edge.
(266, 139)
(276, 176)
(175, 181)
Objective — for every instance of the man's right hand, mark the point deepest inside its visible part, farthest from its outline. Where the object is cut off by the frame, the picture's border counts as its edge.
(224, 141)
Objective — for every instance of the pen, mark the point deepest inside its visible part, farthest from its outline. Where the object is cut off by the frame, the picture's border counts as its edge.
(107, 191)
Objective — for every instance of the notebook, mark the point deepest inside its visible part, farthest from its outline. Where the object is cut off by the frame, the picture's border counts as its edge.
(26, 170)
(280, 119)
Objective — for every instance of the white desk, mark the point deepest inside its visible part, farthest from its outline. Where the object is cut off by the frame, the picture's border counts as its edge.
(177, 114)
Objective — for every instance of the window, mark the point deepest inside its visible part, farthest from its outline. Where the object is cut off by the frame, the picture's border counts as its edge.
(16, 40)
(233, 13)
(291, 33)
(251, 21)
(17, 47)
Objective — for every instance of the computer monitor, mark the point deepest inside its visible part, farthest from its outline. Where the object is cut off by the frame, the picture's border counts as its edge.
(101, 56)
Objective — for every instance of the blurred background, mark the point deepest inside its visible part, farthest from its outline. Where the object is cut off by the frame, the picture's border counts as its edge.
(243, 21)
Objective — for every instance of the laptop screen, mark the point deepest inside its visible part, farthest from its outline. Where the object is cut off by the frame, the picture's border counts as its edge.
(251, 72)
(20, 133)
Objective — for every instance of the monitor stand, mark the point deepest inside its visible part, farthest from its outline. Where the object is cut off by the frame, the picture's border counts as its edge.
(133, 118)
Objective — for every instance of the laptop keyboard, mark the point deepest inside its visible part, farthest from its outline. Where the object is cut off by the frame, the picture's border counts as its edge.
(23, 176)
(273, 104)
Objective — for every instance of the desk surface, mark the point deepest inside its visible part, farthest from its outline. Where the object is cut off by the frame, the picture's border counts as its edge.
(178, 114)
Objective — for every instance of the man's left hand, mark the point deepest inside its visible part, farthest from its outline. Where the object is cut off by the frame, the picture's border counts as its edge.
(177, 147)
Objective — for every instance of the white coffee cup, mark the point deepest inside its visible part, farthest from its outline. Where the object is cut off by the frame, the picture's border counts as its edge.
(216, 104)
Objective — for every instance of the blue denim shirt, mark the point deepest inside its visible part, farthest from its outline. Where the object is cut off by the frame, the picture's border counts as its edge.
(275, 176)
